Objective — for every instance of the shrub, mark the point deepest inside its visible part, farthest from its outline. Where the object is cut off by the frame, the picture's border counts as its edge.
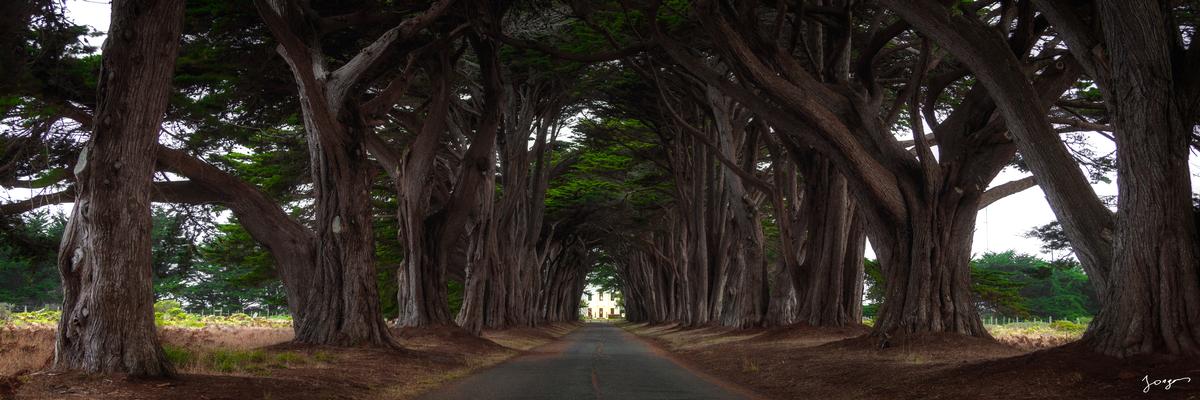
(164, 306)
(5, 313)
(1068, 326)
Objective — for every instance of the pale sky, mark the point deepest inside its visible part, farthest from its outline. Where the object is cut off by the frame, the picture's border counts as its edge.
(1000, 227)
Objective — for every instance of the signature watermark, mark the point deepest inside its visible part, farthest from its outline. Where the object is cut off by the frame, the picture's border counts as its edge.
(1165, 383)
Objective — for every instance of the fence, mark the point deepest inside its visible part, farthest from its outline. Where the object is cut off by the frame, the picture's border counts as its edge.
(253, 311)
(993, 320)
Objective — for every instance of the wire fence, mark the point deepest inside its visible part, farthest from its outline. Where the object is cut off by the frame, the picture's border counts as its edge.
(253, 310)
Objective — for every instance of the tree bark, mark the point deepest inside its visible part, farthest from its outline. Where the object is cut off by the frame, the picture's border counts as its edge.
(507, 269)
(822, 277)
(107, 323)
(422, 281)
(926, 272)
(1152, 303)
(343, 302)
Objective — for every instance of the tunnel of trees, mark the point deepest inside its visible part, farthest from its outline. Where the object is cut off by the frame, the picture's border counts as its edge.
(368, 164)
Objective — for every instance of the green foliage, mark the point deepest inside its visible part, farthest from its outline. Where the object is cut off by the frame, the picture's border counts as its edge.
(237, 360)
(874, 291)
(163, 306)
(28, 258)
(454, 296)
(231, 272)
(6, 311)
(604, 275)
(1012, 285)
(1068, 326)
(995, 291)
(1054, 239)
(178, 356)
(1058, 290)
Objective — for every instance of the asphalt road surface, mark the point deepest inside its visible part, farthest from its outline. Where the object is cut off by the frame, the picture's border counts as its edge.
(596, 361)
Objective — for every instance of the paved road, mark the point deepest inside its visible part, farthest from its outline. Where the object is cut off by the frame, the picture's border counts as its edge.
(597, 361)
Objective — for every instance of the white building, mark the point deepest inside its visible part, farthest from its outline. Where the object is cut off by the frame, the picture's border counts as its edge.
(601, 305)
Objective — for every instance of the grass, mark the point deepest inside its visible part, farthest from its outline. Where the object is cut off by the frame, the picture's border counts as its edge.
(1031, 335)
(238, 362)
(166, 314)
(1037, 334)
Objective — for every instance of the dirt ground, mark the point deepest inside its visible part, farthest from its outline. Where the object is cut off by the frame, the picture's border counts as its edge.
(281, 370)
(843, 363)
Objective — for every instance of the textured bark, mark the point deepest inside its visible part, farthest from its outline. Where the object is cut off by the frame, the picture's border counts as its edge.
(1152, 303)
(343, 302)
(107, 323)
(792, 219)
(469, 203)
(344, 277)
(824, 289)
(690, 228)
(422, 295)
(744, 300)
(506, 269)
(926, 273)
(564, 280)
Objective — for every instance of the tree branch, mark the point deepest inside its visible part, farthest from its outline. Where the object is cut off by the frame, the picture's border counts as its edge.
(1006, 189)
(352, 73)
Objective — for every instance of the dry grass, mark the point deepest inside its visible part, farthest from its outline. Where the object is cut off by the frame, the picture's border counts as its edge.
(31, 347)
(1035, 335)
(255, 362)
(25, 348)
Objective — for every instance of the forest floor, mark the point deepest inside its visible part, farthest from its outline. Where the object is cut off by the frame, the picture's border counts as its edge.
(221, 362)
(843, 363)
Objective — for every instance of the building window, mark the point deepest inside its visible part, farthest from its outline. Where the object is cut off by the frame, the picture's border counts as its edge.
(612, 311)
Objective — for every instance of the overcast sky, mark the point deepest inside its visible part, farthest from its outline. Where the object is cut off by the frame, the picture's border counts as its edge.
(1000, 227)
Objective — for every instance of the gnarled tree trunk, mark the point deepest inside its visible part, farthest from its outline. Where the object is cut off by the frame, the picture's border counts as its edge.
(925, 259)
(341, 306)
(825, 290)
(1152, 305)
(107, 323)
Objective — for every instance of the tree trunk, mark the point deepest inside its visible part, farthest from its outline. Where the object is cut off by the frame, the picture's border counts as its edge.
(341, 307)
(925, 260)
(506, 288)
(422, 281)
(107, 323)
(745, 302)
(822, 278)
(856, 246)
(344, 306)
(1152, 304)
